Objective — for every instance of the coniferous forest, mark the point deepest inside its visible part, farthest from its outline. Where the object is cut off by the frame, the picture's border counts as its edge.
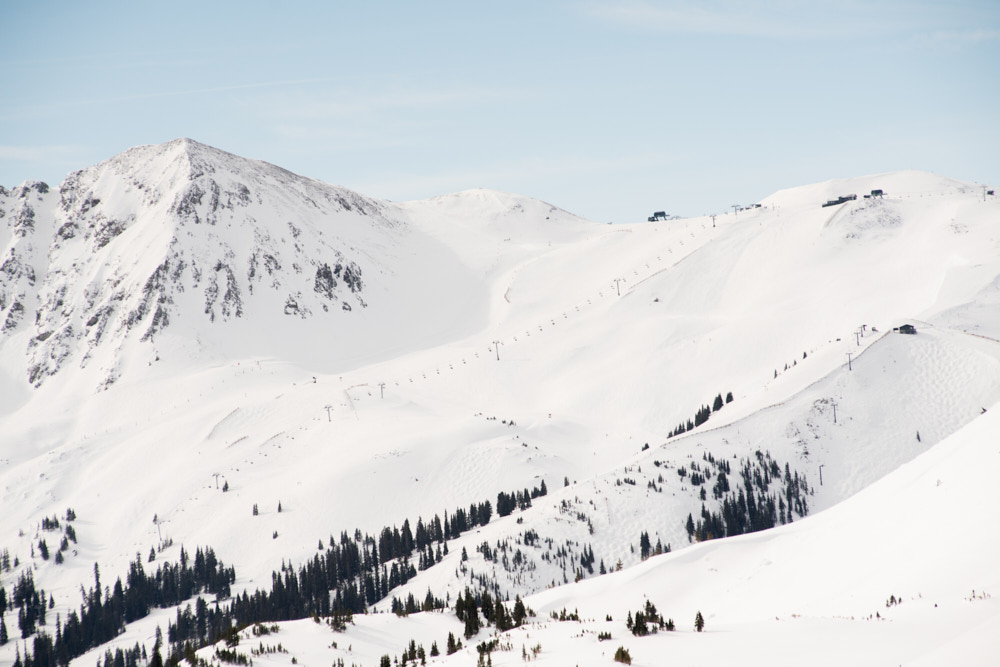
(350, 574)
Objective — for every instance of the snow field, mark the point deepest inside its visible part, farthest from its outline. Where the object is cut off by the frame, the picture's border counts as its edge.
(290, 411)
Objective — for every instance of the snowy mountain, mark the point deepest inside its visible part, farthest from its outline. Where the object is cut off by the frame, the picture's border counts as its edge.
(160, 239)
(206, 350)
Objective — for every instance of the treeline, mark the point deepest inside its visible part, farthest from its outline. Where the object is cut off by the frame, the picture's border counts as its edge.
(351, 574)
(702, 415)
(648, 621)
(508, 502)
(493, 610)
(646, 548)
(31, 606)
(104, 612)
(755, 505)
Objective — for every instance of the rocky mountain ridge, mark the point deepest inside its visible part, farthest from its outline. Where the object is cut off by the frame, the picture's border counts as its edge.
(109, 256)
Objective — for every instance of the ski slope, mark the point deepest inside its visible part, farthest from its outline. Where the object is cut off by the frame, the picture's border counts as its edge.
(503, 342)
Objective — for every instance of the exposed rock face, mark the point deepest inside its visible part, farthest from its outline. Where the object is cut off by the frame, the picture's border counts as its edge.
(124, 251)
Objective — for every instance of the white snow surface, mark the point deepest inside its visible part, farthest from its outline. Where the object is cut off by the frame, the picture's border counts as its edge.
(484, 342)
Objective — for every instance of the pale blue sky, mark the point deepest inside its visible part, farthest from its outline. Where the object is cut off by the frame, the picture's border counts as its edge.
(608, 109)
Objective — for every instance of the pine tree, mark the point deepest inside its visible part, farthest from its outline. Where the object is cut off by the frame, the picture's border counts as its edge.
(519, 612)
(471, 621)
(502, 619)
(622, 656)
(488, 607)
(699, 622)
(3, 631)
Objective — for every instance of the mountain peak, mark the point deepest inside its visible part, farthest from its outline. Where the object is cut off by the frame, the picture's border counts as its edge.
(181, 232)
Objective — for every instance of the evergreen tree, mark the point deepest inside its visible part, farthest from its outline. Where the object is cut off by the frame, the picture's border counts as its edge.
(471, 623)
(502, 619)
(718, 403)
(702, 415)
(520, 613)
(489, 609)
(699, 622)
(3, 631)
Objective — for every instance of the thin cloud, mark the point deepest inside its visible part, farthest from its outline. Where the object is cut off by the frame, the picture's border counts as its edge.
(388, 118)
(514, 174)
(325, 105)
(959, 38)
(107, 101)
(36, 153)
(786, 19)
(685, 18)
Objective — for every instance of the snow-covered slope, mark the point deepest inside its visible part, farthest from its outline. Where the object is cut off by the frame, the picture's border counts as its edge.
(155, 243)
(201, 335)
(861, 584)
